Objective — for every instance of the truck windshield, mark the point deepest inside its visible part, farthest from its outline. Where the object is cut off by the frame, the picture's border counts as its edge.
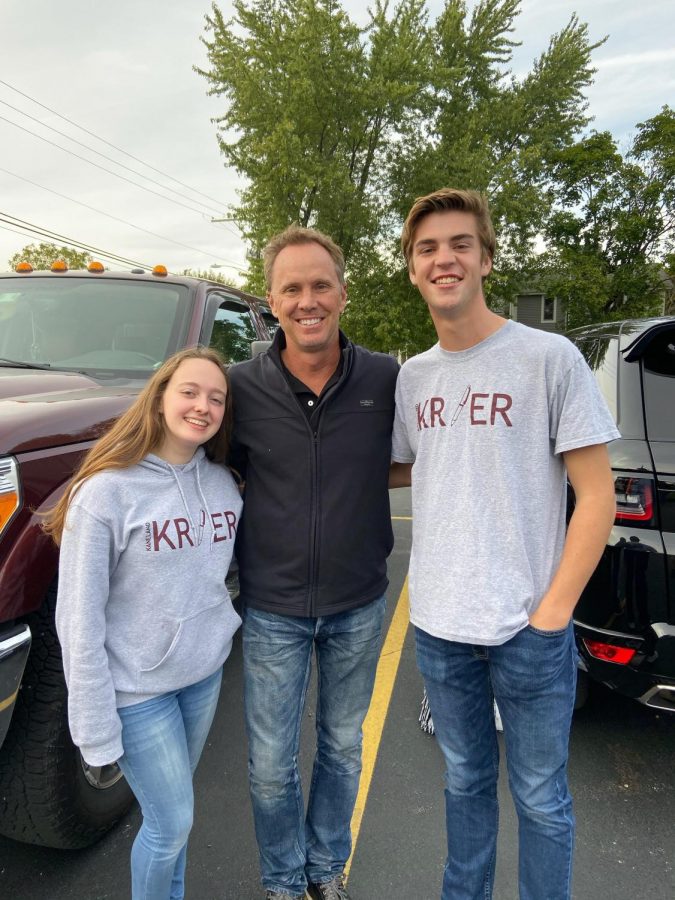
(89, 325)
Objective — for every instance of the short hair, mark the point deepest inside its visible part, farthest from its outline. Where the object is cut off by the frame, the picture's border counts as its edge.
(295, 235)
(450, 199)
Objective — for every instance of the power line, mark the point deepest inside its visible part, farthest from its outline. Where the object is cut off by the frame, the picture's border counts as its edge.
(114, 146)
(102, 168)
(31, 228)
(103, 156)
(229, 264)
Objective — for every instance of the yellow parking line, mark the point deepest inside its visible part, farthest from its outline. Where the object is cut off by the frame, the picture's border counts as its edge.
(7, 702)
(390, 657)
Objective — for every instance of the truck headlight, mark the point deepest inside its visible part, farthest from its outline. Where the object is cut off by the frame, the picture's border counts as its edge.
(10, 493)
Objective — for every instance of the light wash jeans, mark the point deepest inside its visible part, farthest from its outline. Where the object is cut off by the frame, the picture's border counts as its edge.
(533, 678)
(295, 847)
(163, 739)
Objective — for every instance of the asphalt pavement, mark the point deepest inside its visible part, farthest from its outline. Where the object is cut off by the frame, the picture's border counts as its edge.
(622, 771)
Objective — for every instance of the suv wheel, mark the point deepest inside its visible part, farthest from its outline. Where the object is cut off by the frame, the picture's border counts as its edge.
(48, 794)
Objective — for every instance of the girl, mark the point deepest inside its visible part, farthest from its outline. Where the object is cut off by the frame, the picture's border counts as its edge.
(146, 528)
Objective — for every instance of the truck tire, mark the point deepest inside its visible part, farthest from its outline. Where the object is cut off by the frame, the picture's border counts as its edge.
(48, 795)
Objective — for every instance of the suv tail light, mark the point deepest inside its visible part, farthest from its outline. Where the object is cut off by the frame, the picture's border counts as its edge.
(610, 652)
(634, 499)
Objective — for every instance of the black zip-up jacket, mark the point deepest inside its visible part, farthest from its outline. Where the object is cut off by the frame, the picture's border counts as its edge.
(316, 528)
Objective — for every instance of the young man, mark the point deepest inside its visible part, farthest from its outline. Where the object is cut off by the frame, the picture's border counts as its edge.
(489, 420)
(312, 437)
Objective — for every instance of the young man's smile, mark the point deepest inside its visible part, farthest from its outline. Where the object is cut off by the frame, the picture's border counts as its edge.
(448, 263)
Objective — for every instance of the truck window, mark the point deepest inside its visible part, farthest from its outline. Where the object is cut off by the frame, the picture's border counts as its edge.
(233, 331)
(271, 323)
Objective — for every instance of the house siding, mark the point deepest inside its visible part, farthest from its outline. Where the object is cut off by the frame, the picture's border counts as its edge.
(528, 311)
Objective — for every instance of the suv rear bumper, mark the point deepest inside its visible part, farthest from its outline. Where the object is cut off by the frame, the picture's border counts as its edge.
(14, 647)
(649, 677)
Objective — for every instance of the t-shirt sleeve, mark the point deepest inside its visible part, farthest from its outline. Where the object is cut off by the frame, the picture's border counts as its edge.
(579, 414)
(401, 449)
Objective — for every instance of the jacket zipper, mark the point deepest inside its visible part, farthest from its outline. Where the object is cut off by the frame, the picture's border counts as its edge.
(315, 499)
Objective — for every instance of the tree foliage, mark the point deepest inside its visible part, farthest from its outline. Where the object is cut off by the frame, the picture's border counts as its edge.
(41, 256)
(211, 275)
(311, 107)
(612, 227)
(341, 127)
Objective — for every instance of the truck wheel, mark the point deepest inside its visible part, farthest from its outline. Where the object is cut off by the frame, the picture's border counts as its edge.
(48, 794)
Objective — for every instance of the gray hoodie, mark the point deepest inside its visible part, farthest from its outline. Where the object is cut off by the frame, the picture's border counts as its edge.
(142, 606)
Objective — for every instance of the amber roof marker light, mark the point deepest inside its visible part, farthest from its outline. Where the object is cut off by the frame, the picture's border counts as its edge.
(95, 266)
(24, 267)
(59, 265)
(160, 270)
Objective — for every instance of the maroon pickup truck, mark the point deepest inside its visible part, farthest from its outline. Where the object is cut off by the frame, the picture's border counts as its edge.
(75, 349)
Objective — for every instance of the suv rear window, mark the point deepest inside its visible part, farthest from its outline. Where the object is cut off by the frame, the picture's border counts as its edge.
(602, 355)
(659, 386)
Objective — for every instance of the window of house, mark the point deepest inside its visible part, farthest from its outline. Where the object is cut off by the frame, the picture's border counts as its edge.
(548, 309)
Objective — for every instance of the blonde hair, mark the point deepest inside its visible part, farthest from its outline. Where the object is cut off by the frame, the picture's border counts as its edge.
(139, 431)
(294, 235)
(450, 199)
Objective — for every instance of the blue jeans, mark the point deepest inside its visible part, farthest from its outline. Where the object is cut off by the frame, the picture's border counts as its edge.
(163, 739)
(533, 678)
(295, 847)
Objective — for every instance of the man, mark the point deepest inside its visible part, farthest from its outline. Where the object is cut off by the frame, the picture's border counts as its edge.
(492, 417)
(312, 438)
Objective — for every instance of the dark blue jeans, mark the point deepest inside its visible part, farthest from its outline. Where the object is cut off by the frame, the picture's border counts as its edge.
(295, 847)
(533, 678)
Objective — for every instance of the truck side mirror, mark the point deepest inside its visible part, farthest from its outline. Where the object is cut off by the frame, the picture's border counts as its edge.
(258, 347)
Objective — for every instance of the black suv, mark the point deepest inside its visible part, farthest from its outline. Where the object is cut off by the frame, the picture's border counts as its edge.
(625, 619)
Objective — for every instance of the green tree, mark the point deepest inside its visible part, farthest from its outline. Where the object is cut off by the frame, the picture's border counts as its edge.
(610, 235)
(341, 128)
(41, 256)
(211, 275)
(311, 106)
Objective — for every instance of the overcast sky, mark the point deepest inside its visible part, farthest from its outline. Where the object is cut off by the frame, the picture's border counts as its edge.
(125, 74)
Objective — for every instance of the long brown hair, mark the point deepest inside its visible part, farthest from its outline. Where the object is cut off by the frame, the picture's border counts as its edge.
(139, 431)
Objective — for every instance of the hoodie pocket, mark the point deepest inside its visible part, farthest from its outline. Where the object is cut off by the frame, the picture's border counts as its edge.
(200, 644)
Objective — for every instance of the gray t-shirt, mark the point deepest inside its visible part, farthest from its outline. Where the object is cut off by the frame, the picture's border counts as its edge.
(485, 428)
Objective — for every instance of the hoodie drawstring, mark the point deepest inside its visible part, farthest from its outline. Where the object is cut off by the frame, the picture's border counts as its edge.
(203, 512)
